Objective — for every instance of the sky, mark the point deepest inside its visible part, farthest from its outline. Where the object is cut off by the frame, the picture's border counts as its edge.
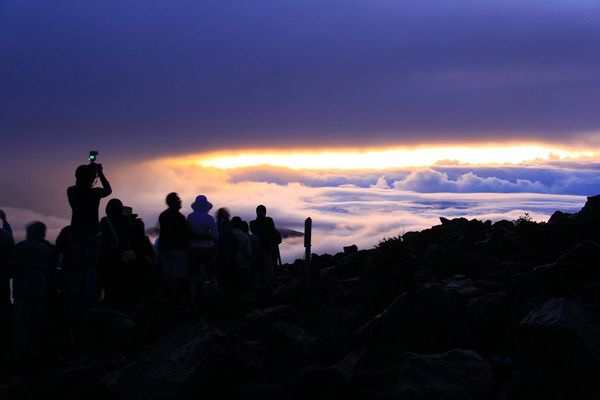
(171, 92)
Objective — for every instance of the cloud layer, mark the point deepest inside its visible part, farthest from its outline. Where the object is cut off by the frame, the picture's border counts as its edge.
(350, 207)
(362, 208)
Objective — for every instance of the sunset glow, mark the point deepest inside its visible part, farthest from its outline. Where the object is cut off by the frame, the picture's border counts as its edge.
(387, 158)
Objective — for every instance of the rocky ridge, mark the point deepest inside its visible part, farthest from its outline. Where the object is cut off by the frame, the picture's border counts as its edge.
(464, 310)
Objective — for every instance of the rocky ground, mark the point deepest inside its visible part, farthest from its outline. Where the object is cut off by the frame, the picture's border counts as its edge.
(464, 310)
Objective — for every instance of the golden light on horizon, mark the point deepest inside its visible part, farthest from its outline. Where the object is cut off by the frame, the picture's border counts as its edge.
(385, 158)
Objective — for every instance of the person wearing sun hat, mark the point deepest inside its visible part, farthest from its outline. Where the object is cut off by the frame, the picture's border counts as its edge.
(202, 247)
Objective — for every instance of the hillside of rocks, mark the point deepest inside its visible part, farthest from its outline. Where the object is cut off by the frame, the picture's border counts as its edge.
(464, 310)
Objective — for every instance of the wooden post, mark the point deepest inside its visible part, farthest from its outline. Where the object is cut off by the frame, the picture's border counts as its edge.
(307, 249)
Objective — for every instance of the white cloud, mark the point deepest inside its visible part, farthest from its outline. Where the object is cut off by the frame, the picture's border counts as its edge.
(430, 181)
(381, 183)
(354, 208)
(348, 214)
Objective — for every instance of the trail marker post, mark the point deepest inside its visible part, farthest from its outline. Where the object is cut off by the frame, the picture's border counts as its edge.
(307, 249)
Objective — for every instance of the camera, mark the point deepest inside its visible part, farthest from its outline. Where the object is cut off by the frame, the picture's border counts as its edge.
(93, 156)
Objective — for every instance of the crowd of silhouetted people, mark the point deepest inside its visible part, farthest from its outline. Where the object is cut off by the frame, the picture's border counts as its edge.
(111, 262)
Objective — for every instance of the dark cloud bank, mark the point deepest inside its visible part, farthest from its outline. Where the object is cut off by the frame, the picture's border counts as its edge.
(139, 78)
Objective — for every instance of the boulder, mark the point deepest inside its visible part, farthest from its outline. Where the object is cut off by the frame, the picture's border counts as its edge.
(533, 384)
(591, 207)
(543, 281)
(456, 374)
(193, 359)
(464, 286)
(561, 338)
(490, 318)
(426, 320)
(351, 377)
(581, 264)
(105, 329)
(350, 249)
(289, 344)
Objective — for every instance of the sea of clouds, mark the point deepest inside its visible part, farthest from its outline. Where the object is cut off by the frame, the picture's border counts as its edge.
(349, 207)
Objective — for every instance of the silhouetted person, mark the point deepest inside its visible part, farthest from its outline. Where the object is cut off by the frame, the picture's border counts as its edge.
(264, 228)
(32, 267)
(204, 233)
(173, 247)
(63, 247)
(225, 249)
(84, 200)
(6, 228)
(256, 258)
(145, 259)
(242, 254)
(117, 254)
(7, 245)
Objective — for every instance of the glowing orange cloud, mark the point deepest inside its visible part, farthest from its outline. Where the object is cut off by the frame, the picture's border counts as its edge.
(381, 159)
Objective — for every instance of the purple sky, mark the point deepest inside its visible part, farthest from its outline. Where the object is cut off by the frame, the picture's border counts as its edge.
(147, 77)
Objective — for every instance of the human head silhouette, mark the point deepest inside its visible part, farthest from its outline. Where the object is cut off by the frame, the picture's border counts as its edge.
(173, 201)
(236, 223)
(85, 175)
(36, 231)
(139, 227)
(261, 211)
(114, 208)
(223, 214)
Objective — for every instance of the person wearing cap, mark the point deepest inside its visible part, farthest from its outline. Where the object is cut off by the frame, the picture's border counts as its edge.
(204, 235)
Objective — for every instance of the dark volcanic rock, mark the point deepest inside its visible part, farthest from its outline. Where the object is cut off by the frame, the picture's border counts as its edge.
(582, 262)
(558, 344)
(105, 329)
(456, 374)
(426, 320)
(350, 249)
(591, 209)
(490, 317)
(195, 358)
(464, 286)
(382, 323)
(561, 332)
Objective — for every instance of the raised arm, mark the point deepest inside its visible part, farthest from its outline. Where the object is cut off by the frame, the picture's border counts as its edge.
(106, 189)
(5, 225)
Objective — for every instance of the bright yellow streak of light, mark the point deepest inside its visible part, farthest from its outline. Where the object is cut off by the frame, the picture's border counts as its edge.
(387, 158)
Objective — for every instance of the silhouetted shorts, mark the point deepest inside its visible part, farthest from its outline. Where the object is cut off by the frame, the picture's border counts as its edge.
(82, 287)
(201, 262)
(174, 263)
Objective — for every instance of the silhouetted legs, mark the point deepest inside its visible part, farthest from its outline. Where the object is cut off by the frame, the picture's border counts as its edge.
(175, 271)
(29, 321)
(201, 261)
(82, 277)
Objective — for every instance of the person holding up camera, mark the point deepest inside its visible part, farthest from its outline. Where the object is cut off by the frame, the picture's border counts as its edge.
(84, 200)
